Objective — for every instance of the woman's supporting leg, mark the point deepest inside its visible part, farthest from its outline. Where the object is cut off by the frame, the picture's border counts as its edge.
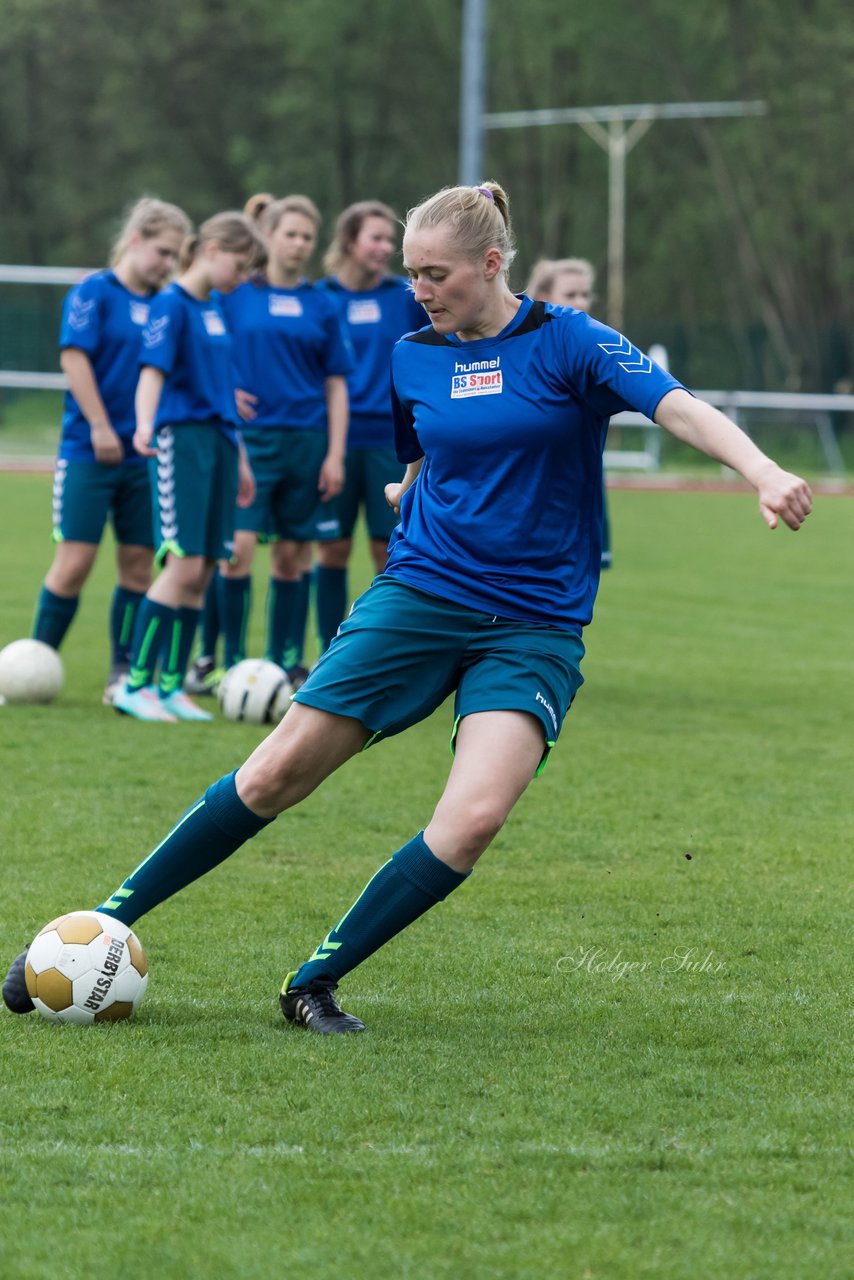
(497, 754)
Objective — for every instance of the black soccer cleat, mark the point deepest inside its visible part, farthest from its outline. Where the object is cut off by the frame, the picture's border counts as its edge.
(16, 997)
(316, 1008)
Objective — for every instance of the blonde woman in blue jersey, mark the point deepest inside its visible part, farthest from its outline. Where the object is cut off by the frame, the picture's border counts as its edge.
(501, 407)
(291, 359)
(186, 424)
(376, 308)
(98, 473)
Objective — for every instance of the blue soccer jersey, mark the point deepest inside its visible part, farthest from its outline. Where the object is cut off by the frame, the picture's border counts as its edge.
(506, 514)
(374, 320)
(188, 340)
(104, 320)
(287, 342)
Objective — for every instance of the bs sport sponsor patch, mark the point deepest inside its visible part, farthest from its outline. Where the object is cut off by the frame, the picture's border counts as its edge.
(214, 323)
(476, 378)
(364, 311)
(284, 305)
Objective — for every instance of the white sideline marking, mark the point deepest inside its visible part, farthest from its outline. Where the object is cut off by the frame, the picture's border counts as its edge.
(282, 1150)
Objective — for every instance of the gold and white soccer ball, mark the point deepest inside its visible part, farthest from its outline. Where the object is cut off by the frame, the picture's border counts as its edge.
(256, 691)
(86, 967)
(30, 671)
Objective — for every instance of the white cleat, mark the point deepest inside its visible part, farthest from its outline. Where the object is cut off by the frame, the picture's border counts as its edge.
(142, 704)
(182, 707)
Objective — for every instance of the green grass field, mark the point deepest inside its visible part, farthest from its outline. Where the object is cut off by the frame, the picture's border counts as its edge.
(621, 1051)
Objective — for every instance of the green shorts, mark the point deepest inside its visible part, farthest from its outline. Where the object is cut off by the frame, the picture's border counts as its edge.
(322, 525)
(286, 464)
(368, 473)
(402, 652)
(194, 488)
(85, 494)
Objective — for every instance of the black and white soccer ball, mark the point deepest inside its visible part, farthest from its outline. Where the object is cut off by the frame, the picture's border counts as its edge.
(30, 671)
(256, 691)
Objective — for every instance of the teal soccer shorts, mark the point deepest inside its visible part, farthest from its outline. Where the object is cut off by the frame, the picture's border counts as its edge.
(286, 464)
(85, 494)
(322, 525)
(368, 473)
(194, 487)
(402, 652)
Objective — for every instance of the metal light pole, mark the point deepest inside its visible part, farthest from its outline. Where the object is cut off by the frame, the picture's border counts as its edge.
(618, 141)
(472, 92)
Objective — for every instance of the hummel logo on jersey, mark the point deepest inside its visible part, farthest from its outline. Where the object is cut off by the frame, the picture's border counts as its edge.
(139, 312)
(364, 311)
(155, 332)
(637, 363)
(476, 378)
(214, 323)
(282, 304)
(81, 313)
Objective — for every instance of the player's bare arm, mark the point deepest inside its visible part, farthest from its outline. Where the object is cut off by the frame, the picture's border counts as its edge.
(781, 494)
(83, 385)
(148, 392)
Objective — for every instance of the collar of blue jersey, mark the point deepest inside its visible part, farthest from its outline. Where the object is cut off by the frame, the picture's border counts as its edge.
(260, 281)
(529, 316)
(111, 278)
(332, 282)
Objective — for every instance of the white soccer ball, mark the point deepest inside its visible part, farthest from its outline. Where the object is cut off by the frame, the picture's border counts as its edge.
(30, 671)
(86, 967)
(254, 690)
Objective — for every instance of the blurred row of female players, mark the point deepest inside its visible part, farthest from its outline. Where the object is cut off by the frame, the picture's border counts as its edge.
(232, 403)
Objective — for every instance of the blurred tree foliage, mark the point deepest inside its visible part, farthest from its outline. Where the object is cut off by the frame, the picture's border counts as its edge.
(738, 233)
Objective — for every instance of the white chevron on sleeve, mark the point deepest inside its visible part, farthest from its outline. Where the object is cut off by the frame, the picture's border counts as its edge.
(640, 363)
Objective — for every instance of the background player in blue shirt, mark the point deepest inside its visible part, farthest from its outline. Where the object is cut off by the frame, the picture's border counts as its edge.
(291, 359)
(185, 422)
(568, 282)
(377, 309)
(98, 472)
(501, 410)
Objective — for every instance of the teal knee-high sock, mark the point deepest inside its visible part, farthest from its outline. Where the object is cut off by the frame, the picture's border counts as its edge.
(54, 615)
(410, 883)
(123, 611)
(208, 833)
(176, 651)
(153, 625)
(282, 607)
(235, 601)
(330, 602)
(210, 619)
(300, 618)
